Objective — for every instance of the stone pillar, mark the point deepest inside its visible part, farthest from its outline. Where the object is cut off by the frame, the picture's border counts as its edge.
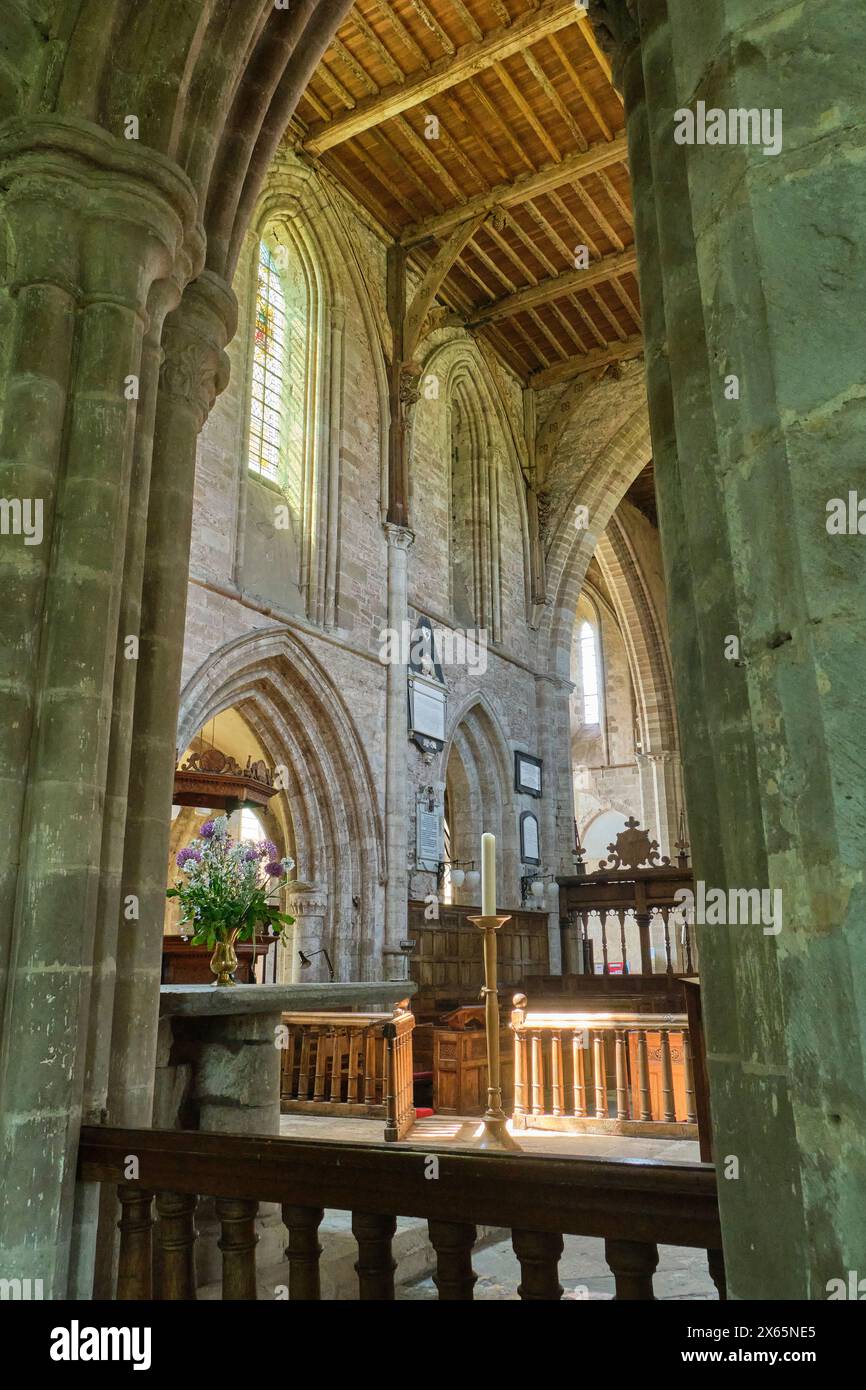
(394, 964)
(308, 904)
(742, 256)
(94, 227)
(660, 798)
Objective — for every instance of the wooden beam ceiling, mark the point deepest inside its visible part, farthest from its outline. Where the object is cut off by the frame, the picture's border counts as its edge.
(450, 70)
(485, 137)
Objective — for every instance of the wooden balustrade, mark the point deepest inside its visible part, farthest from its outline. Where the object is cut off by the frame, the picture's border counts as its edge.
(350, 1064)
(634, 1207)
(621, 1073)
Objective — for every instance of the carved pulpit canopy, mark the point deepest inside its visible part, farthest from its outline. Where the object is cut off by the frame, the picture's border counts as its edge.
(215, 779)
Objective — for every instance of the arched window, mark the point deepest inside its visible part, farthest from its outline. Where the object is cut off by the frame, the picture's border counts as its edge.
(589, 673)
(270, 357)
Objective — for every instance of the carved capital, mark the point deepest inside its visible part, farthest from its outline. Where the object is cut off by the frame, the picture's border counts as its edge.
(195, 367)
(400, 537)
(306, 900)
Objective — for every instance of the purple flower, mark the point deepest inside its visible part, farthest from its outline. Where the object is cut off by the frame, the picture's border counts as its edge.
(186, 855)
(207, 830)
(275, 869)
(268, 849)
(251, 856)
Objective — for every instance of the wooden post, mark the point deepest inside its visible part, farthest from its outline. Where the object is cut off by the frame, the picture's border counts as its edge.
(238, 1241)
(667, 1078)
(558, 1101)
(453, 1242)
(375, 1265)
(632, 1264)
(691, 1114)
(539, 1254)
(599, 1078)
(134, 1268)
(303, 1251)
(621, 1083)
(175, 1234)
(643, 1076)
(578, 1072)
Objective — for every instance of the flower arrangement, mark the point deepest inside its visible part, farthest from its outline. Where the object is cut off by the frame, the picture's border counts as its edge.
(228, 882)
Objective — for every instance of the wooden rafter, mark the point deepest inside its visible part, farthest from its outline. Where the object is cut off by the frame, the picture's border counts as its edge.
(433, 277)
(557, 285)
(446, 72)
(527, 186)
(574, 366)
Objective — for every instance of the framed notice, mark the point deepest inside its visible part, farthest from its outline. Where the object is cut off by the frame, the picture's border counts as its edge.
(529, 842)
(429, 837)
(527, 774)
(427, 704)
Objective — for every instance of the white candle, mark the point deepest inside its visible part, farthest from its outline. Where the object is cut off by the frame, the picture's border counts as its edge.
(488, 875)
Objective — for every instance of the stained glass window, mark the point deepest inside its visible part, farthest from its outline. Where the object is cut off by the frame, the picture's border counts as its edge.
(589, 674)
(267, 431)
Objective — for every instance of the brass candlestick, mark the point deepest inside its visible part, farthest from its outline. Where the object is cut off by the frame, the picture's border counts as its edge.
(495, 1134)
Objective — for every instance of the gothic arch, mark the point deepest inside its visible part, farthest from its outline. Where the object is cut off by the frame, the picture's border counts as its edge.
(479, 744)
(299, 717)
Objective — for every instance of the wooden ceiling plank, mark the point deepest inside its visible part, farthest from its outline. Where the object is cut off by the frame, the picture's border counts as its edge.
(559, 350)
(318, 105)
(384, 140)
(460, 115)
(368, 197)
(355, 68)
(580, 87)
(380, 175)
(569, 327)
(598, 216)
(586, 29)
(532, 245)
(457, 152)
(497, 237)
(372, 38)
(554, 98)
(496, 116)
(493, 267)
(523, 106)
(392, 18)
(527, 186)
(575, 366)
(571, 281)
(335, 85)
(627, 302)
(568, 216)
(422, 148)
(431, 22)
(618, 201)
(446, 72)
(468, 19)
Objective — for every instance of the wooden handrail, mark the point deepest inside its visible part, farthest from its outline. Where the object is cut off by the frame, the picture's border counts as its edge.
(674, 1023)
(619, 1199)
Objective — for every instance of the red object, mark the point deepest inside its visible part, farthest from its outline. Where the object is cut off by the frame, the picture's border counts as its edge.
(422, 1113)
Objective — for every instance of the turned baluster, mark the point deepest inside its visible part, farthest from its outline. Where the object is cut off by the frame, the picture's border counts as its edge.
(304, 1065)
(354, 1067)
(539, 1254)
(388, 1081)
(375, 1265)
(632, 1264)
(716, 1264)
(622, 941)
(605, 963)
(558, 1099)
(691, 1113)
(323, 1043)
(238, 1241)
(519, 1069)
(643, 1075)
(370, 1067)
(537, 1075)
(337, 1068)
(687, 940)
(599, 1077)
(453, 1242)
(303, 1251)
(667, 1078)
(175, 1238)
(578, 1071)
(621, 1077)
(134, 1266)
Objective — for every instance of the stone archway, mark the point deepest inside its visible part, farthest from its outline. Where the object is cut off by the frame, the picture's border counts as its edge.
(302, 722)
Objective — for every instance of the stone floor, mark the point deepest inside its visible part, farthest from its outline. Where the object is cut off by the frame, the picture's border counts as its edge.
(583, 1272)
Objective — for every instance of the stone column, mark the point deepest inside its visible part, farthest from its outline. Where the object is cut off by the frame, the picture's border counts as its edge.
(308, 904)
(394, 964)
(194, 370)
(660, 777)
(742, 256)
(94, 226)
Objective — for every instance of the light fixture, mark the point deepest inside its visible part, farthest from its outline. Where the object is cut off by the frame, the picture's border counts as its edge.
(472, 880)
(307, 960)
(536, 888)
(457, 877)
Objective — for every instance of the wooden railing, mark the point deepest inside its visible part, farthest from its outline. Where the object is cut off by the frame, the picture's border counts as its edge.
(633, 1206)
(621, 1073)
(350, 1064)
